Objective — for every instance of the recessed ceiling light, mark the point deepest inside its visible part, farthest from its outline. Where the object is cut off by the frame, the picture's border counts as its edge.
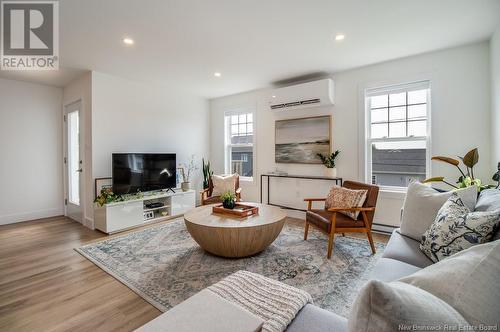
(128, 41)
(273, 96)
(339, 37)
(217, 74)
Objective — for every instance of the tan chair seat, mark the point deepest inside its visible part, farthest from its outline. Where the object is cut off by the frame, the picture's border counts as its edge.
(212, 200)
(322, 219)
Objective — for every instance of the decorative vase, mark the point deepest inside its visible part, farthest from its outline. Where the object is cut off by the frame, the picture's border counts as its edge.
(331, 172)
(229, 204)
(185, 186)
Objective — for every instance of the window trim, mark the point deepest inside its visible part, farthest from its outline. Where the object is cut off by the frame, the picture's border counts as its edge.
(367, 93)
(228, 145)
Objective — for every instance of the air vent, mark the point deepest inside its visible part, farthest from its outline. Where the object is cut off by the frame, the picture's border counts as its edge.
(295, 103)
(305, 95)
(310, 101)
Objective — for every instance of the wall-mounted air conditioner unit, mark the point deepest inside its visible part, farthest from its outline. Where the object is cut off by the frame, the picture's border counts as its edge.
(311, 94)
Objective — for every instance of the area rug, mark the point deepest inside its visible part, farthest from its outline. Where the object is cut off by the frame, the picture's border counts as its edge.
(165, 266)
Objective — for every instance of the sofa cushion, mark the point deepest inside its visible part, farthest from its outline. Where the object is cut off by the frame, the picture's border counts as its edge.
(315, 319)
(405, 249)
(204, 311)
(340, 197)
(468, 281)
(422, 204)
(388, 269)
(488, 200)
(396, 305)
(457, 228)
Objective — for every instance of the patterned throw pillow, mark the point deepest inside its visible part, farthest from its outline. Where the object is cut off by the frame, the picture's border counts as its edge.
(340, 197)
(457, 228)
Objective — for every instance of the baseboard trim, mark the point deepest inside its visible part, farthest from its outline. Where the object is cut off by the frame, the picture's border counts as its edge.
(89, 223)
(32, 215)
(380, 228)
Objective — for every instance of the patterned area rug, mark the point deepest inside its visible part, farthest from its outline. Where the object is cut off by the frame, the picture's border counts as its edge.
(165, 266)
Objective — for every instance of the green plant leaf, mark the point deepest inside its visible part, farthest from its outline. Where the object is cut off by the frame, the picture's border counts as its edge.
(471, 158)
(434, 179)
(447, 160)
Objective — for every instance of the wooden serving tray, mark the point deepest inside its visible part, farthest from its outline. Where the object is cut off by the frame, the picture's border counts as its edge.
(240, 210)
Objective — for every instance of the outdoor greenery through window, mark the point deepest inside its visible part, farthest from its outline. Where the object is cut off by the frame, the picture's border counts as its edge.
(239, 143)
(397, 134)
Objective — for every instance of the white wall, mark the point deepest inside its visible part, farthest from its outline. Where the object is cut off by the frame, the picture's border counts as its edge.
(128, 116)
(460, 121)
(81, 90)
(31, 151)
(495, 100)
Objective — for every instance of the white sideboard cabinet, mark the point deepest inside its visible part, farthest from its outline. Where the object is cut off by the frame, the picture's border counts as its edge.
(119, 216)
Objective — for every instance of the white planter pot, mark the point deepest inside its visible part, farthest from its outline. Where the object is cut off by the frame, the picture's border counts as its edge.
(185, 186)
(331, 172)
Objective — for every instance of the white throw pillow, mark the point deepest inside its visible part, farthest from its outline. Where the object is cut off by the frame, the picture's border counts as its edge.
(422, 204)
(397, 306)
(457, 228)
(223, 184)
(467, 281)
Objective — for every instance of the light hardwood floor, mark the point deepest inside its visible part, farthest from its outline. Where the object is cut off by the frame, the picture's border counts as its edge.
(47, 286)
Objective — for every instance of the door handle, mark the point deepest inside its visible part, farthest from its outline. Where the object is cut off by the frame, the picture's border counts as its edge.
(79, 170)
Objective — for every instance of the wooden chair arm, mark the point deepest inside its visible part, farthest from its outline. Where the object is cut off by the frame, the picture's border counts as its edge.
(311, 200)
(352, 209)
(204, 195)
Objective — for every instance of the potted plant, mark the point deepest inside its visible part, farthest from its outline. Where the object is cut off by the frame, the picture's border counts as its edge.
(329, 162)
(187, 171)
(207, 173)
(106, 196)
(467, 178)
(228, 200)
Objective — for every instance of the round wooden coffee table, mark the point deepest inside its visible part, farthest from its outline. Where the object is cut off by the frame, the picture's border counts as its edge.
(229, 236)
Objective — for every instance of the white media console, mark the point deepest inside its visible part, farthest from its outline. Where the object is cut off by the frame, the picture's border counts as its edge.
(119, 216)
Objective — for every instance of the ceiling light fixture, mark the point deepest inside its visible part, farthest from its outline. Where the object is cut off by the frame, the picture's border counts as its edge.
(128, 41)
(273, 96)
(339, 37)
(217, 74)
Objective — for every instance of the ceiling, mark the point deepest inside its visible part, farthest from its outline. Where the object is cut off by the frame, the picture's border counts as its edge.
(253, 43)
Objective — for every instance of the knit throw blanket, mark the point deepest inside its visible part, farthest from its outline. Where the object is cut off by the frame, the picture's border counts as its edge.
(273, 301)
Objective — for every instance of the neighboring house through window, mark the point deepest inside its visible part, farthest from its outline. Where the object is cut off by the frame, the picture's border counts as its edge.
(239, 128)
(397, 132)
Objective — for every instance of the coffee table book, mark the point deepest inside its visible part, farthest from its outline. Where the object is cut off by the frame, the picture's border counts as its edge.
(240, 210)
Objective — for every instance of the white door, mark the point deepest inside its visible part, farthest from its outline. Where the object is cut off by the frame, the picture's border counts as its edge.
(73, 161)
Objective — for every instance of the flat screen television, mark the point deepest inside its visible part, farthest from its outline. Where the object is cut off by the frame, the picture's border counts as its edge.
(134, 172)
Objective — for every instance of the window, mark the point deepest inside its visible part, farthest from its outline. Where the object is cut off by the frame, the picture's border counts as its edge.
(397, 134)
(239, 143)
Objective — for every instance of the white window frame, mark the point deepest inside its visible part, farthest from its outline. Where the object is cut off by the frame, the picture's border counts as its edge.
(370, 92)
(228, 145)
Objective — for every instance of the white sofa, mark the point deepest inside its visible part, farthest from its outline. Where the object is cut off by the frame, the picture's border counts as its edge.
(401, 258)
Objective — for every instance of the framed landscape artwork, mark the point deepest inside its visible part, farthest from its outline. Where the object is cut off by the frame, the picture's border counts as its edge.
(300, 140)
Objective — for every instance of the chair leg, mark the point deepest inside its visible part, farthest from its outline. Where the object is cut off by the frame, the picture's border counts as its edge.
(370, 239)
(330, 243)
(306, 230)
